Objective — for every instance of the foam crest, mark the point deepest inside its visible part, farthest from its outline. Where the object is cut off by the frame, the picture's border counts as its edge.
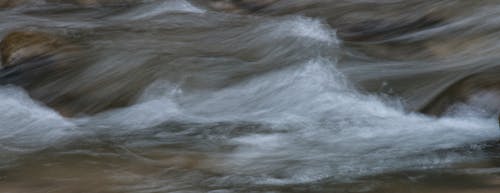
(27, 125)
(161, 7)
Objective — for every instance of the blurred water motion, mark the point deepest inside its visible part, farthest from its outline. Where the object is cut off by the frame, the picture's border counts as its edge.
(249, 96)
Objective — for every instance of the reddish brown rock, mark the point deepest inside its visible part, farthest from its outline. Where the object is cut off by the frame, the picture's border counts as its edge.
(17, 47)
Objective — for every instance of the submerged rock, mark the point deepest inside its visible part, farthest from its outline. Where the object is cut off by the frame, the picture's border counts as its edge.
(383, 29)
(93, 3)
(32, 59)
(380, 38)
(21, 46)
(84, 3)
(13, 3)
(58, 72)
(480, 89)
(239, 6)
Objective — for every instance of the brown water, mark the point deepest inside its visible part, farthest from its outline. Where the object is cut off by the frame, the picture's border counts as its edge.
(299, 96)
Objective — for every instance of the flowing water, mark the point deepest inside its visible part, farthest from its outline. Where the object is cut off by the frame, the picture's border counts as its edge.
(274, 101)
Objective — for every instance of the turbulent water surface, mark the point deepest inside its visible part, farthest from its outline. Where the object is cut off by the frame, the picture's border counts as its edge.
(280, 100)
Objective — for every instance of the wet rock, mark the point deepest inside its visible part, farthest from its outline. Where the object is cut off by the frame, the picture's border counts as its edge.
(84, 3)
(12, 3)
(240, 6)
(380, 38)
(383, 29)
(481, 89)
(61, 73)
(94, 3)
(32, 60)
(21, 46)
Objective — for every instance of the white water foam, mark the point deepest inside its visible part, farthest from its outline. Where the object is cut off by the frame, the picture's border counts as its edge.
(158, 8)
(330, 130)
(321, 127)
(303, 27)
(28, 126)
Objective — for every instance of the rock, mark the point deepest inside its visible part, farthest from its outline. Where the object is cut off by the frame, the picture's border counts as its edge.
(240, 6)
(32, 59)
(95, 3)
(481, 89)
(383, 29)
(21, 46)
(12, 3)
(58, 72)
(84, 3)
(378, 38)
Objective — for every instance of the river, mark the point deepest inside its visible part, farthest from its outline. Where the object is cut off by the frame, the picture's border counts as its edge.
(283, 99)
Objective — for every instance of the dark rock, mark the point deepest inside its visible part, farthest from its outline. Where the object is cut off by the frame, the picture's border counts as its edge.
(12, 3)
(486, 82)
(84, 3)
(379, 38)
(239, 6)
(33, 59)
(94, 3)
(54, 70)
(383, 29)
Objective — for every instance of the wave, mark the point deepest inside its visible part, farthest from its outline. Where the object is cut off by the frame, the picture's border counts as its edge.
(266, 99)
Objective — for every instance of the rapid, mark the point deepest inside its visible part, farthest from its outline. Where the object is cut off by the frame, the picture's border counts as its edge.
(282, 99)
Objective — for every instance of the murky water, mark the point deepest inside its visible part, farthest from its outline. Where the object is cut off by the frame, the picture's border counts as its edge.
(285, 99)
